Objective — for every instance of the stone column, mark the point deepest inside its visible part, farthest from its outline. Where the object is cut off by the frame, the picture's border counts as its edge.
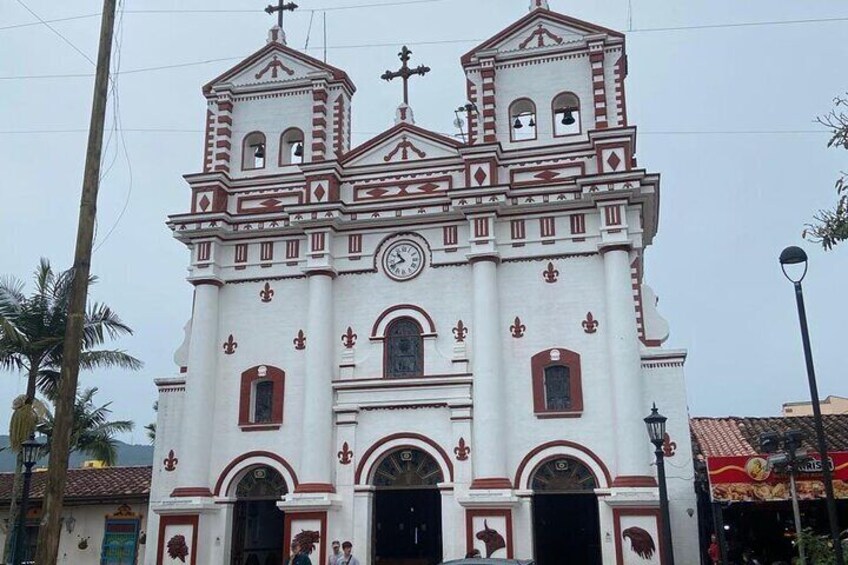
(317, 453)
(199, 404)
(488, 452)
(632, 447)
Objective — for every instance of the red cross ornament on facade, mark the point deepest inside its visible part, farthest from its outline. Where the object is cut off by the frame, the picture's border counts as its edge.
(405, 72)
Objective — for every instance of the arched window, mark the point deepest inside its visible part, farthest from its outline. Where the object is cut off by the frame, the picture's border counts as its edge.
(291, 147)
(522, 120)
(261, 398)
(563, 475)
(263, 401)
(566, 114)
(408, 468)
(557, 389)
(253, 151)
(404, 349)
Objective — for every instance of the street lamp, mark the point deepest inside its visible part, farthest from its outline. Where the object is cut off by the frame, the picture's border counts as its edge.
(789, 461)
(29, 454)
(796, 256)
(656, 431)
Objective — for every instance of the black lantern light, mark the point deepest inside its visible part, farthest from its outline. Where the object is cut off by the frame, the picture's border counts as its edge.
(656, 426)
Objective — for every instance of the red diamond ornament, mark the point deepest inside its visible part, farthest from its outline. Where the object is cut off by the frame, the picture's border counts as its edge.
(204, 202)
(480, 176)
(547, 175)
(614, 161)
(319, 192)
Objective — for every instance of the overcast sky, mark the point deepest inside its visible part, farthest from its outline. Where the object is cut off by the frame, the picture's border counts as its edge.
(725, 114)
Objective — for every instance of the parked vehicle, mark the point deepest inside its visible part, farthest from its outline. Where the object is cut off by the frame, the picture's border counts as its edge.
(489, 561)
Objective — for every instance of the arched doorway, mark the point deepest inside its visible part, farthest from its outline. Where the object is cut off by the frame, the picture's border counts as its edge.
(565, 513)
(257, 522)
(407, 509)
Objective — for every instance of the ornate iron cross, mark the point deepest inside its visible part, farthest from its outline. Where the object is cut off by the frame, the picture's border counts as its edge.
(281, 8)
(405, 72)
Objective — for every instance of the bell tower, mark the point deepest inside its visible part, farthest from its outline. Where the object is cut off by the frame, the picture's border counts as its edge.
(548, 79)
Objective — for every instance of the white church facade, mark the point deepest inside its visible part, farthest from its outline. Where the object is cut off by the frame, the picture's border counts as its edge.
(424, 344)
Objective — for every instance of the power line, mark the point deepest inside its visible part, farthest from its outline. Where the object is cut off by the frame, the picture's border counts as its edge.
(741, 24)
(318, 9)
(70, 18)
(62, 37)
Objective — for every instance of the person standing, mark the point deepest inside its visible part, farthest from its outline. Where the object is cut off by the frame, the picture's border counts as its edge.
(298, 556)
(347, 558)
(713, 550)
(334, 557)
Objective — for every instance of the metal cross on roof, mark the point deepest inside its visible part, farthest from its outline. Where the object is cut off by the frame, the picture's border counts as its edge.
(281, 8)
(405, 72)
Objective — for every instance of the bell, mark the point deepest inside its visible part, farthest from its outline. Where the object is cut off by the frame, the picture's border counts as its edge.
(259, 153)
(517, 124)
(532, 123)
(298, 150)
(568, 117)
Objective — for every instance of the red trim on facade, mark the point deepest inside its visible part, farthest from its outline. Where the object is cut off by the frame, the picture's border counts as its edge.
(315, 487)
(578, 223)
(541, 361)
(219, 484)
(616, 247)
(470, 514)
(292, 249)
(248, 378)
(187, 492)
(213, 282)
(446, 461)
(491, 483)
(559, 443)
(266, 251)
(388, 311)
(192, 520)
(635, 481)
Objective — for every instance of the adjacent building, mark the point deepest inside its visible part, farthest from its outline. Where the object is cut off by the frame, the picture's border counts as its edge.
(424, 344)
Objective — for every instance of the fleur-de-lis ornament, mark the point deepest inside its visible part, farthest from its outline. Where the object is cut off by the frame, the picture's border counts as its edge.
(300, 341)
(171, 461)
(267, 293)
(345, 455)
(590, 324)
(460, 331)
(669, 447)
(230, 345)
(550, 274)
(517, 328)
(462, 450)
(349, 338)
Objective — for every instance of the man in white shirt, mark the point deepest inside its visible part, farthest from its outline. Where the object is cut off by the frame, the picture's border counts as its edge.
(347, 558)
(336, 555)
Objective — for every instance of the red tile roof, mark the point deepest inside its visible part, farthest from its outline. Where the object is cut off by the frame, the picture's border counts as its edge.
(714, 437)
(89, 484)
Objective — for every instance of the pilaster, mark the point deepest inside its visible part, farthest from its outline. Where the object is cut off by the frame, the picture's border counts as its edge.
(223, 134)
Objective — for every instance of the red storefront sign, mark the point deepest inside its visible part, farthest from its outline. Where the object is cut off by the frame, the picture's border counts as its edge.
(750, 478)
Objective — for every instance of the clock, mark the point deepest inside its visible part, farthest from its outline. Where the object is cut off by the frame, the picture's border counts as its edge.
(403, 260)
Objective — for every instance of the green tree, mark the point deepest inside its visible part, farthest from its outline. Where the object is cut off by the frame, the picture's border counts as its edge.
(830, 227)
(151, 427)
(32, 330)
(93, 432)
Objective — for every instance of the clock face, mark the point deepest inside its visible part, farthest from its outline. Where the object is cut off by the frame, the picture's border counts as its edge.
(403, 260)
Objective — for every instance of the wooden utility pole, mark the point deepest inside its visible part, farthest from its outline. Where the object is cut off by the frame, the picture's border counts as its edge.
(48, 533)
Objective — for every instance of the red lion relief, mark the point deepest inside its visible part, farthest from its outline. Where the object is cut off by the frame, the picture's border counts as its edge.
(493, 540)
(306, 540)
(641, 542)
(177, 548)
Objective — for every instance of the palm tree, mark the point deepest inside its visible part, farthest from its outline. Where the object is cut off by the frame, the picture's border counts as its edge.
(32, 331)
(93, 433)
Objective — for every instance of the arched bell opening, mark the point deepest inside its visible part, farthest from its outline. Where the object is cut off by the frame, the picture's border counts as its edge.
(407, 508)
(565, 512)
(257, 522)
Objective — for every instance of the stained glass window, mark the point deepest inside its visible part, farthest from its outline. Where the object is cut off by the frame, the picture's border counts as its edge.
(404, 349)
(263, 402)
(557, 388)
(408, 468)
(261, 483)
(563, 475)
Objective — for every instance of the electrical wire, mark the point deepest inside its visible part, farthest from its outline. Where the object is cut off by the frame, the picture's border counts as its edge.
(70, 18)
(51, 28)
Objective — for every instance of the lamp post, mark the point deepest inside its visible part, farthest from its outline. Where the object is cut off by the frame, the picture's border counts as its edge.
(796, 256)
(790, 462)
(29, 452)
(656, 431)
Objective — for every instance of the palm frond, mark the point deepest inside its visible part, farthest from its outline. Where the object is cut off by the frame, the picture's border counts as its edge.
(109, 358)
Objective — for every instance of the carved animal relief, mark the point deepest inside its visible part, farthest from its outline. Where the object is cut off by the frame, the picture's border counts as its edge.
(493, 540)
(178, 548)
(641, 542)
(306, 540)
